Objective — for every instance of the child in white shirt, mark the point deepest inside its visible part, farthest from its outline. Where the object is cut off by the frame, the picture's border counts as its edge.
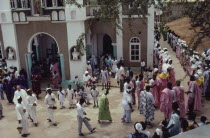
(71, 95)
(61, 97)
(95, 95)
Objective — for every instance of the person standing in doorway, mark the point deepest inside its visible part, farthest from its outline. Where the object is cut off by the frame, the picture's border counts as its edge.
(36, 86)
(82, 119)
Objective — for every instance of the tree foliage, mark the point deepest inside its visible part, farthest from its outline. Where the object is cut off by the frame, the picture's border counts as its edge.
(199, 13)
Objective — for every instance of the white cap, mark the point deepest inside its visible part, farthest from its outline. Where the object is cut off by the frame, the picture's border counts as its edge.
(18, 97)
(138, 127)
(196, 76)
(86, 72)
(155, 69)
(159, 132)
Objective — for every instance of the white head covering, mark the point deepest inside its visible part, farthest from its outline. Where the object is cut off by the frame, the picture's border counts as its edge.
(200, 72)
(194, 66)
(18, 97)
(196, 76)
(155, 69)
(128, 90)
(86, 72)
(159, 132)
(138, 127)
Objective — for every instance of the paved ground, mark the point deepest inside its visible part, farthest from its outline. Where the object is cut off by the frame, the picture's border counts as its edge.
(67, 123)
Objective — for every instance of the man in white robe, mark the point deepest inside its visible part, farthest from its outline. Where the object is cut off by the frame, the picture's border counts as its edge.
(31, 102)
(22, 93)
(22, 117)
(49, 103)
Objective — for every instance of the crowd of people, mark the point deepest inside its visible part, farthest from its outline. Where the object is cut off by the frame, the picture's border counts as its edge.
(154, 88)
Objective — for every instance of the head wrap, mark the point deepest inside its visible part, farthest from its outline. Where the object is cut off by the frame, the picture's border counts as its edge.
(138, 127)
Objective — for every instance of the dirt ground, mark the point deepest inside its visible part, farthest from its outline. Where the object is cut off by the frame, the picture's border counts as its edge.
(67, 121)
(182, 28)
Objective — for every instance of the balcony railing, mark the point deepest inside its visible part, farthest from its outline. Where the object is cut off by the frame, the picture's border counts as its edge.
(91, 10)
(20, 4)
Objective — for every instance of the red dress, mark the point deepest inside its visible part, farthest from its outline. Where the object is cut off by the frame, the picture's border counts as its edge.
(36, 87)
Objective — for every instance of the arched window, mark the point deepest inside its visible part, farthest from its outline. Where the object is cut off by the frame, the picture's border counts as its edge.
(15, 17)
(54, 16)
(22, 17)
(135, 49)
(3, 17)
(73, 14)
(61, 15)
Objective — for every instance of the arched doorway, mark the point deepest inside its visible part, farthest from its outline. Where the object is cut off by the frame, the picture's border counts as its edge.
(107, 45)
(44, 54)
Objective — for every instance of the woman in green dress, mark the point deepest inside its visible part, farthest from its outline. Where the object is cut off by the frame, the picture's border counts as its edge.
(104, 112)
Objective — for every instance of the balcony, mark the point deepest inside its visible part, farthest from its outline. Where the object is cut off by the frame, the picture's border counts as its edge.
(91, 10)
(35, 10)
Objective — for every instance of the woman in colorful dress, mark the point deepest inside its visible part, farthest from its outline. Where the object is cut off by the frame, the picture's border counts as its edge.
(104, 112)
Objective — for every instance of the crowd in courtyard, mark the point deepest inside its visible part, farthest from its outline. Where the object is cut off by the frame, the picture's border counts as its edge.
(154, 88)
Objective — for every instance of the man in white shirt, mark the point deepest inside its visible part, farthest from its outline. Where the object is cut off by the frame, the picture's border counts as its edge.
(22, 93)
(143, 65)
(31, 102)
(81, 119)
(22, 117)
(127, 106)
(49, 103)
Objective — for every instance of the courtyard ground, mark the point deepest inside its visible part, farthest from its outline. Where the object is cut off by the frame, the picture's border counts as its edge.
(67, 121)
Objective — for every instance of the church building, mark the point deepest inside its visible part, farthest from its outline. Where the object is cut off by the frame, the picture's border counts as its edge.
(44, 30)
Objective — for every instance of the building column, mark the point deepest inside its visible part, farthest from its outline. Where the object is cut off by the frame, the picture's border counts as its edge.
(150, 36)
(9, 33)
(76, 27)
(29, 65)
(119, 36)
(36, 43)
(62, 69)
(114, 50)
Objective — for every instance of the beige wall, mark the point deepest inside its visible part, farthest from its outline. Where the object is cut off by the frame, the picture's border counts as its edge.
(57, 30)
(134, 28)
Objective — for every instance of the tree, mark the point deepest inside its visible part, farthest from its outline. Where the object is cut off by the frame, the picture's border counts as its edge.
(199, 13)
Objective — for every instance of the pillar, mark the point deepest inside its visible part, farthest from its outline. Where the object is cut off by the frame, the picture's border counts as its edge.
(150, 36)
(62, 68)
(9, 32)
(119, 36)
(76, 27)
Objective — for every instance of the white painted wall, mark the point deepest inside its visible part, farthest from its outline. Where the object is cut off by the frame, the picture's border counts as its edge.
(74, 29)
(9, 32)
(150, 36)
(119, 37)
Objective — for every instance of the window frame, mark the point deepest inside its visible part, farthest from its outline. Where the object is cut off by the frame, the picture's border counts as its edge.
(130, 49)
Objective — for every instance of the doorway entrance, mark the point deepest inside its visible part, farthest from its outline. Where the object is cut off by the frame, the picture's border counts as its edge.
(44, 56)
(107, 45)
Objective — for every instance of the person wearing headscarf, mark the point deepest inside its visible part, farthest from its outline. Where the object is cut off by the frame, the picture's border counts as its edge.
(180, 98)
(193, 101)
(166, 100)
(139, 131)
(147, 105)
(104, 112)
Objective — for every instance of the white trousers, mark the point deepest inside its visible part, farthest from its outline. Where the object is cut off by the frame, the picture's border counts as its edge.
(50, 113)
